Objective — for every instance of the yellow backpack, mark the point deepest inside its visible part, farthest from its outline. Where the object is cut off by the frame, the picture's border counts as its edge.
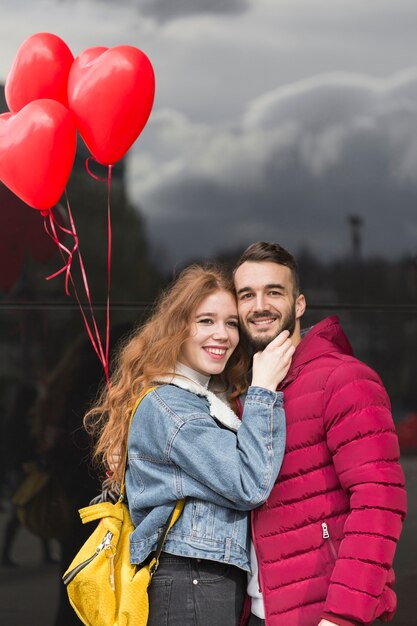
(104, 587)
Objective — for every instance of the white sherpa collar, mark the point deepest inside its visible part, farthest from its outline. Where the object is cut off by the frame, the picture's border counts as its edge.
(217, 407)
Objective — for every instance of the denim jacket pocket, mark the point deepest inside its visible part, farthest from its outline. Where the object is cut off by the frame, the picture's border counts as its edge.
(202, 521)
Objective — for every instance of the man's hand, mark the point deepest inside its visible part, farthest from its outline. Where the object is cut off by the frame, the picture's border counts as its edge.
(325, 622)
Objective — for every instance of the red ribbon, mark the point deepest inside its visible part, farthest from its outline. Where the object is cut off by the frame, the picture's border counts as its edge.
(109, 249)
(97, 346)
(51, 225)
(52, 233)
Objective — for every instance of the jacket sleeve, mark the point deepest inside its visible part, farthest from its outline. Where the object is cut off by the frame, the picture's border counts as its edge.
(235, 470)
(363, 443)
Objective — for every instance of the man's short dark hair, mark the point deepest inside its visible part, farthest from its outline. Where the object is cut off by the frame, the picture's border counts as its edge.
(262, 251)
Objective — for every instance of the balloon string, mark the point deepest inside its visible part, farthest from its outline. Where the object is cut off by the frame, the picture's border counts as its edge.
(51, 232)
(90, 334)
(87, 167)
(53, 223)
(89, 331)
(98, 347)
(109, 249)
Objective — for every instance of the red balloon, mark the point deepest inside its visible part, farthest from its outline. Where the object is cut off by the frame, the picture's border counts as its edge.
(111, 93)
(37, 152)
(39, 70)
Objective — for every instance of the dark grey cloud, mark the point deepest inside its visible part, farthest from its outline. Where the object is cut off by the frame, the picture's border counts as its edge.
(164, 10)
(302, 160)
(294, 207)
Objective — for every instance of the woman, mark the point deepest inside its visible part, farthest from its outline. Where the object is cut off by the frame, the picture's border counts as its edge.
(186, 442)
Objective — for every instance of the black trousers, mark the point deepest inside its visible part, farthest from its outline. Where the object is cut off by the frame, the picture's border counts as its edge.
(196, 592)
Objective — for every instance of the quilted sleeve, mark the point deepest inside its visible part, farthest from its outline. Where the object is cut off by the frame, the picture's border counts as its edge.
(362, 440)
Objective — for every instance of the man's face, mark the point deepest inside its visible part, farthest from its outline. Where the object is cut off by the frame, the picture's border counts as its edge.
(266, 302)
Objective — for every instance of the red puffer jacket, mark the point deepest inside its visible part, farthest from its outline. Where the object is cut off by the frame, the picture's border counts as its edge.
(326, 537)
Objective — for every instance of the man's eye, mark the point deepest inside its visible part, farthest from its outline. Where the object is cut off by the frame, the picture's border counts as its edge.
(246, 296)
(274, 293)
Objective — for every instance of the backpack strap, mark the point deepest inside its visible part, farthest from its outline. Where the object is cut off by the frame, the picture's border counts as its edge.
(138, 401)
(102, 509)
(176, 512)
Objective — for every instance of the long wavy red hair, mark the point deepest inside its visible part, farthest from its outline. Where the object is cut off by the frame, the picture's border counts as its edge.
(153, 351)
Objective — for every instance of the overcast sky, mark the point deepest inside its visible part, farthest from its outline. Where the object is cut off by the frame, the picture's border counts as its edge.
(273, 119)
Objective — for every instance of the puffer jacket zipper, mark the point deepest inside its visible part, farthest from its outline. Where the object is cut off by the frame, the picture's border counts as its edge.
(326, 535)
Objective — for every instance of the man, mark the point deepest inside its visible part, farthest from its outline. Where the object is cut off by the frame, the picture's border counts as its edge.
(324, 541)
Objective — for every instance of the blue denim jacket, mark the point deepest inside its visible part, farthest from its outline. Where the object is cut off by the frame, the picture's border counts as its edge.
(178, 449)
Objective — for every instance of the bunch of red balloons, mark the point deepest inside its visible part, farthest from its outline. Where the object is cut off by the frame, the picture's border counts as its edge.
(105, 93)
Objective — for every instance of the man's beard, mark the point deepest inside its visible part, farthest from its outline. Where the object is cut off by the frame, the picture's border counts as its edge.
(259, 343)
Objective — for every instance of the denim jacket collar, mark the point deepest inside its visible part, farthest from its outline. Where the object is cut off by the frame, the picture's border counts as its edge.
(217, 407)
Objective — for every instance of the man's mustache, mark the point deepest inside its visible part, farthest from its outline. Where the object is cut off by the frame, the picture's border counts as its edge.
(263, 315)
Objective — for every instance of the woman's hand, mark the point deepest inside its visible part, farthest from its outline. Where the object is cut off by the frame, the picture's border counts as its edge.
(271, 366)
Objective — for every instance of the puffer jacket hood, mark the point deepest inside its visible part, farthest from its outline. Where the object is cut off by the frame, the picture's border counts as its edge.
(326, 337)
